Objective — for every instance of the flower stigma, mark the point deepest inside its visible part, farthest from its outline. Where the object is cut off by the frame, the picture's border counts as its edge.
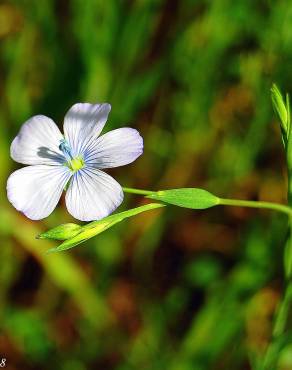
(74, 163)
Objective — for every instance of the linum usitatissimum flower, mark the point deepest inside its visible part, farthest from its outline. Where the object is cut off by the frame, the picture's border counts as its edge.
(74, 161)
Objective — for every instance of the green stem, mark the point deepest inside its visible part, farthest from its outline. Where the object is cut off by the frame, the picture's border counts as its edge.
(138, 191)
(230, 202)
(256, 204)
(272, 353)
(281, 316)
(282, 312)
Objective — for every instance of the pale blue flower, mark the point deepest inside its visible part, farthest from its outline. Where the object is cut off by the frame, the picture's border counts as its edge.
(76, 159)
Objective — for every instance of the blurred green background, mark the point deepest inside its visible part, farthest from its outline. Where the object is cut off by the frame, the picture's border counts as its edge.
(169, 289)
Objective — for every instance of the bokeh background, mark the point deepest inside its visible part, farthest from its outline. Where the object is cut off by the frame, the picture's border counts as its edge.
(169, 289)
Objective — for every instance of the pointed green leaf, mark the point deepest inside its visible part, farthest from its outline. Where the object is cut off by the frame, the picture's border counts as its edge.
(96, 227)
(61, 232)
(186, 197)
(281, 110)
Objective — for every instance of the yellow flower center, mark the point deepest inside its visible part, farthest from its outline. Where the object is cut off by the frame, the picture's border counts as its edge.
(76, 164)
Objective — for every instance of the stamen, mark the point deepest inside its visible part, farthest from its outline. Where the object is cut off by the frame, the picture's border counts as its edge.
(74, 163)
(65, 148)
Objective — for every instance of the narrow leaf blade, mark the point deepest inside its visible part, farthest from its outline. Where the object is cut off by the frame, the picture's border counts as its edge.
(279, 104)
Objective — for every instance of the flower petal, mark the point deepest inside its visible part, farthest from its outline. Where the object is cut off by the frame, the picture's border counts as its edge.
(92, 195)
(37, 142)
(36, 190)
(115, 148)
(84, 121)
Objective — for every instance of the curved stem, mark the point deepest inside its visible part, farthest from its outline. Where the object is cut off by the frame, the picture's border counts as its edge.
(229, 202)
(256, 204)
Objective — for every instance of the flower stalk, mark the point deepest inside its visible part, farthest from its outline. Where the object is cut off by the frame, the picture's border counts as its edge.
(227, 202)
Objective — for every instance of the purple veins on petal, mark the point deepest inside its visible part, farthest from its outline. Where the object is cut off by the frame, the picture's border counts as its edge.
(115, 148)
(37, 142)
(84, 121)
(92, 195)
(36, 190)
(79, 155)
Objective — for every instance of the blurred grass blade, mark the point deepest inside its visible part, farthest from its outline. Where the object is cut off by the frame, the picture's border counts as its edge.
(61, 232)
(186, 197)
(96, 227)
(288, 113)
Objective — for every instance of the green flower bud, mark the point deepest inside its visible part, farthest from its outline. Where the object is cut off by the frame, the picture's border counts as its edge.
(61, 232)
(83, 235)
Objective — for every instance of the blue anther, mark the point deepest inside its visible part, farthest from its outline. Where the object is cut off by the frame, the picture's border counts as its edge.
(65, 148)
